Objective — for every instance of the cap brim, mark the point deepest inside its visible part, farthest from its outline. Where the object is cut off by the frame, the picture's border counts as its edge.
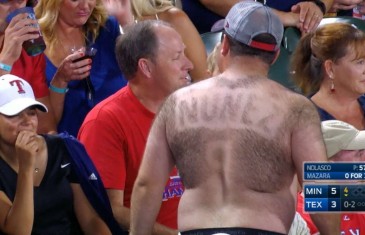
(16, 106)
(218, 26)
(332, 149)
(357, 143)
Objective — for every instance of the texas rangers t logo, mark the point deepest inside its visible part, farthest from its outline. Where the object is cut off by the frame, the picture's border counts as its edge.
(19, 84)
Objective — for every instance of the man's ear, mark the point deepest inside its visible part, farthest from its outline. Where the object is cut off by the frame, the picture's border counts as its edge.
(145, 66)
(224, 50)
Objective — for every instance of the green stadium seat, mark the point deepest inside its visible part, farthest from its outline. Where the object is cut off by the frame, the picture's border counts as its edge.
(280, 70)
(211, 39)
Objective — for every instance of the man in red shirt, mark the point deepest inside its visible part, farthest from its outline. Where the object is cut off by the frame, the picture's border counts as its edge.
(115, 131)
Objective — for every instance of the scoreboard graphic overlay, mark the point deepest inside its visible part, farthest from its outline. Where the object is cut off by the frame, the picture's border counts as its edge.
(334, 187)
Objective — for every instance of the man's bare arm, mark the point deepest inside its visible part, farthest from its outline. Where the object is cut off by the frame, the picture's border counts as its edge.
(218, 6)
(308, 145)
(156, 165)
(305, 12)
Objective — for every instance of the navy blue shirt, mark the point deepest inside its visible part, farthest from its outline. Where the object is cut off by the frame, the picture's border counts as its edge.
(324, 115)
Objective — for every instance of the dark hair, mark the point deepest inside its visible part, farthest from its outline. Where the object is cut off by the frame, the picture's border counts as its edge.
(31, 3)
(138, 41)
(238, 49)
(329, 42)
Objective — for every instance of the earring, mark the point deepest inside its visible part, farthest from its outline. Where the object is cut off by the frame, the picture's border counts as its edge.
(332, 88)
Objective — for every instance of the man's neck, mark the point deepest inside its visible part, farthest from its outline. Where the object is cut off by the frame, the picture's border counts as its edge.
(148, 97)
(250, 66)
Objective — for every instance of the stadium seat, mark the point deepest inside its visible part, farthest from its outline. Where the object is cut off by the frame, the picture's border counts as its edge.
(292, 34)
(278, 72)
(210, 39)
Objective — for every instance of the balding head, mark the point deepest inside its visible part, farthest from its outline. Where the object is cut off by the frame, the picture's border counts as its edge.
(138, 41)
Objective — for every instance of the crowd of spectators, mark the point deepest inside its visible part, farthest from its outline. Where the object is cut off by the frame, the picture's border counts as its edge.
(76, 118)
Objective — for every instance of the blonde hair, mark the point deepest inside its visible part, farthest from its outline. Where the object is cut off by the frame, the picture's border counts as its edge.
(47, 12)
(142, 8)
(212, 60)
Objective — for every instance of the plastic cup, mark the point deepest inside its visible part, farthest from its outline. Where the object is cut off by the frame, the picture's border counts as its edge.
(33, 47)
(88, 51)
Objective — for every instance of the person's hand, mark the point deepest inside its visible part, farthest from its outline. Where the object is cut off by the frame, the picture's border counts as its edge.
(26, 147)
(310, 15)
(121, 9)
(361, 8)
(72, 69)
(18, 31)
(344, 5)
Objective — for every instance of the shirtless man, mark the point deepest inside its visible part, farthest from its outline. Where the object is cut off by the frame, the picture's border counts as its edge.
(238, 140)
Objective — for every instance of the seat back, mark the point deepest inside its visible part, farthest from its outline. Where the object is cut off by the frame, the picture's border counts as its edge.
(210, 39)
(279, 71)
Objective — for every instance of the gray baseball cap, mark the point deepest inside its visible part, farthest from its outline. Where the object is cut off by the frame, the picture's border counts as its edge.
(248, 19)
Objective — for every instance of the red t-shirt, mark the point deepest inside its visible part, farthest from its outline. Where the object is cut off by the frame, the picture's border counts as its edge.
(32, 69)
(351, 223)
(115, 134)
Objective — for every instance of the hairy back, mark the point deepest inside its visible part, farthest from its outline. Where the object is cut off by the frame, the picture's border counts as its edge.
(237, 131)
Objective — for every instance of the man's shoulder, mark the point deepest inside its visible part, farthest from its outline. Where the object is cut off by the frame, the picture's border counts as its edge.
(194, 87)
(287, 93)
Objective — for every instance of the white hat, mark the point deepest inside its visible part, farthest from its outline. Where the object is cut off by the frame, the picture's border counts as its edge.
(16, 95)
(340, 135)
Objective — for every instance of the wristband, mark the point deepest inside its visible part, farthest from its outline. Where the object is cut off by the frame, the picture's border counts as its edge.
(321, 5)
(5, 67)
(58, 90)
